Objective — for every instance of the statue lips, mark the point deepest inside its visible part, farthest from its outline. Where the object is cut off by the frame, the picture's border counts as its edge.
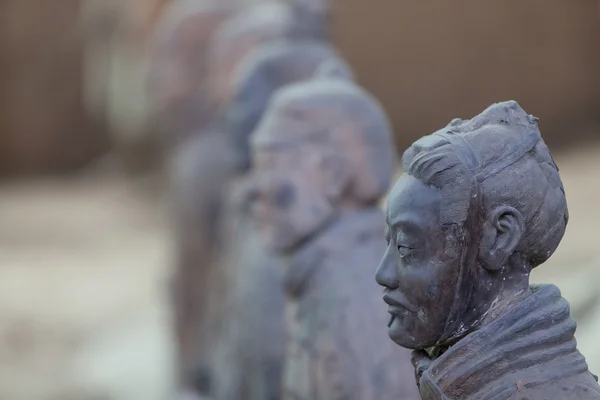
(397, 300)
(397, 305)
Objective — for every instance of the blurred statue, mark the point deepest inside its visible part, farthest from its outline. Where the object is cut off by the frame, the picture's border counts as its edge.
(200, 172)
(323, 158)
(197, 47)
(253, 26)
(204, 166)
(312, 19)
(270, 68)
(247, 335)
(177, 76)
(242, 33)
(202, 162)
(479, 205)
(189, 138)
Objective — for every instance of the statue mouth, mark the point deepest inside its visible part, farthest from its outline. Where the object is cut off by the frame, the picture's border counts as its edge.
(391, 321)
(397, 304)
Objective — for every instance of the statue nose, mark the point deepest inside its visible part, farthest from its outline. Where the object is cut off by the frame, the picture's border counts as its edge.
(386, 274)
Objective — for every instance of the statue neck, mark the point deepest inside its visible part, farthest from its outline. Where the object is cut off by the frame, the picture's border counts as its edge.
(511, 285)
(498, 292)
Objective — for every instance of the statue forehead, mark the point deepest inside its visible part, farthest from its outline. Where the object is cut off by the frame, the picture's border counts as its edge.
(410, 200)
(283, 128)
(309, 112)
(320, 100)
(297, 120)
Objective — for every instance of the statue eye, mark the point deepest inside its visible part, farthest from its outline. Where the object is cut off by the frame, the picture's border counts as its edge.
(404, 250)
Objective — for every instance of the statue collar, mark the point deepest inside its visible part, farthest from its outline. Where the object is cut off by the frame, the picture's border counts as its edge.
(493, 361)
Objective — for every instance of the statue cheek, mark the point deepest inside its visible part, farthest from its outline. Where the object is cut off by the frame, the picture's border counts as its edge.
(422, 315)
(432, 290)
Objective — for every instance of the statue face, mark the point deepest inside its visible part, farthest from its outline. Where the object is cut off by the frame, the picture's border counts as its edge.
(420, 268)
(290, 202)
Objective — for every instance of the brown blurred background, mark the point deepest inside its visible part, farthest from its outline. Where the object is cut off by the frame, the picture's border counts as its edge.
(71, 68)
(84, 247)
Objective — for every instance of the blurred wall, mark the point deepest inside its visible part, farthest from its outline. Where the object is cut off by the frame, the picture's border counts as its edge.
(431, 61)
(120, 43)
(44, 126)
(117, 37)
(67, 67)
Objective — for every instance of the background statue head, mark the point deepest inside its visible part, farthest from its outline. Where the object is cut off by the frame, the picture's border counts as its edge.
(311, 20)
(265, 71)
(324, 147)
(300, 20)
(236, 38)
(480, 203)
(177, 75)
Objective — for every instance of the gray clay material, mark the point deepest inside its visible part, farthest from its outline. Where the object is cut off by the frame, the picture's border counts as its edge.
(479, 205)
(323, 157)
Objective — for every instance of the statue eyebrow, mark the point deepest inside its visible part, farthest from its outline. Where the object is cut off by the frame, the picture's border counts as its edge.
(406, 226)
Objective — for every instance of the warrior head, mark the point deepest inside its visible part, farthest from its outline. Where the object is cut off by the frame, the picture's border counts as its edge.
(323, 148)
(265, 71)
(480, 203)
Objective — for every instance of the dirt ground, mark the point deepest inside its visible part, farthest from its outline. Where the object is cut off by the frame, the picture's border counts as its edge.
(84, 264)
(83, 311)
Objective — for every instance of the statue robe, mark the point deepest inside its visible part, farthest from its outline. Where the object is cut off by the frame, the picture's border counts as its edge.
(201, 169)
(528, 353)
(338, 344)
(229, 299)
(247, 323)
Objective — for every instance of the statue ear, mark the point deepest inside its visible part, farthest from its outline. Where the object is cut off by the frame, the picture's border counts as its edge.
(335, 175)
(502, 232)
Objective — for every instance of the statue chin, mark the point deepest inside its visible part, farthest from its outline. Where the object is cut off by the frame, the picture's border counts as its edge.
(403, 338)
(398, 334)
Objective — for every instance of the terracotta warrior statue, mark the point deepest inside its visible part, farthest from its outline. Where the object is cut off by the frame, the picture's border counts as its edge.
(271, 67)
(323, 157)
(255, 25)
(479, 205)
(201, 168)
(202, 162)
(178, 69)
(246, 298)
(196, 48)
